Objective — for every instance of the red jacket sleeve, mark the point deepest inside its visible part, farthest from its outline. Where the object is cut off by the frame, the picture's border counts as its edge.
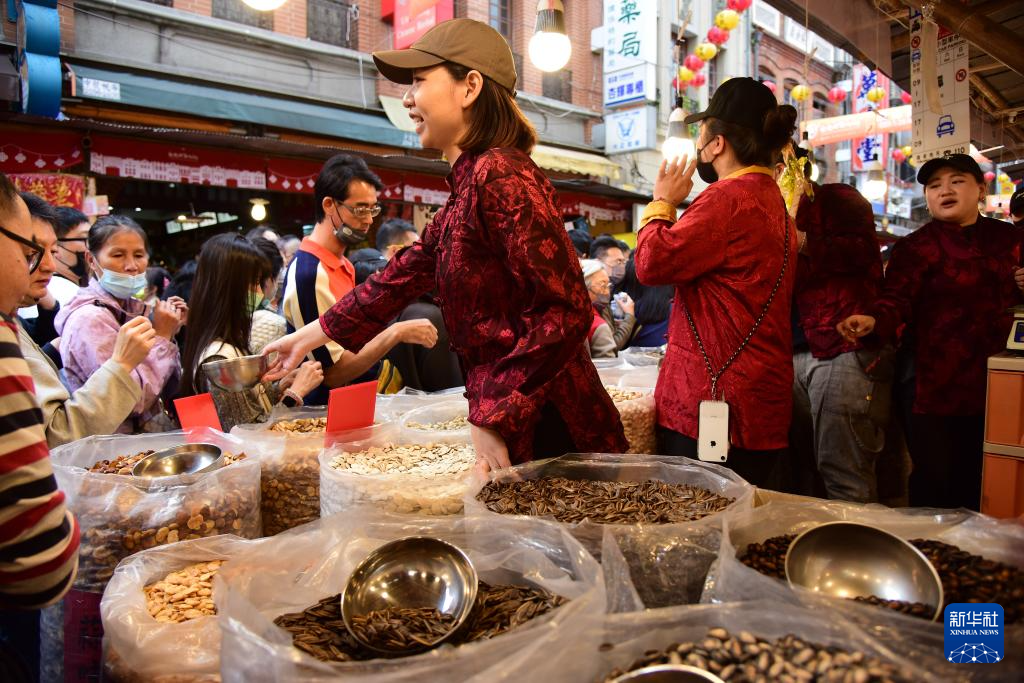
(369, 308)
(668, 254)
(903, 279)
(521, 220)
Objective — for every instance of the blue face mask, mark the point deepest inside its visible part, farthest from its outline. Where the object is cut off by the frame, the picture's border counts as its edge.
(121, 286)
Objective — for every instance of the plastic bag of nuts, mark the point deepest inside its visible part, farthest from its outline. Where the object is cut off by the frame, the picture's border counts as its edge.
(730, 579)
(386, 466)
(121, 515)
(639, 416)
(648, 541)
(137, 646)
(748, 641)
(295, 571)
(447, 418)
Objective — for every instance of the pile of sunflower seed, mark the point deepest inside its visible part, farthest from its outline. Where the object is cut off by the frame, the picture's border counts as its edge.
(452, 425)
(320, 630)
(429, 460)
(965, 577)
(399, 629)
(745, 658)
(602, 502)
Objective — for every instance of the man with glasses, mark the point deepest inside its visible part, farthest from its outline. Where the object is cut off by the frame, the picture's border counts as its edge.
(320, 274)
(39, 538)
(72, 229)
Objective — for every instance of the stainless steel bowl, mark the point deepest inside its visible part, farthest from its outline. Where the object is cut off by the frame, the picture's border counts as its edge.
(237, 374)
(410, 573)
(668, 673)
(848, 560)
(189, 458)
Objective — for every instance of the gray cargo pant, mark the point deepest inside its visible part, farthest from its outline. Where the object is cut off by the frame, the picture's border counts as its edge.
(840, 413)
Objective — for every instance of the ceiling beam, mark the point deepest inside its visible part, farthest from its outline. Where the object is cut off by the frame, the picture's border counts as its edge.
(989, 36)
(992, 6)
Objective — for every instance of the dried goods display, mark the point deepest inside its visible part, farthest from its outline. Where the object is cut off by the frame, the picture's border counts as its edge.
(184, 594)
(638, 413)
(425, 460)
(452, 425)
(965, 577)
(306, 425)
(123, 464)
(744, 657)
(290, 488)
(604, 502)
(320, 630)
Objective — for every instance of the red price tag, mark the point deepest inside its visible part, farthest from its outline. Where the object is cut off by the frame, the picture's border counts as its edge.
(351, 407)
(196, 412)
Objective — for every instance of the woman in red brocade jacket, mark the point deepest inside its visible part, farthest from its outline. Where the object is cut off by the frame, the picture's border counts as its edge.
(508, 281)
(953, 281)
(732, 260)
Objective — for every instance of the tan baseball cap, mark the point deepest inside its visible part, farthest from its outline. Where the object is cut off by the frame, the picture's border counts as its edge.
(470, 43)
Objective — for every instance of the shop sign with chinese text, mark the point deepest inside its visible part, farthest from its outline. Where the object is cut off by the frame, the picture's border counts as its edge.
(631, 130)
(631, 34)
(947, 131)
(635, 84)
(413, 18)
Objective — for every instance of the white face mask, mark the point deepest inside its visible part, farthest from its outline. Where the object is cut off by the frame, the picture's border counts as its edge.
(121, 286)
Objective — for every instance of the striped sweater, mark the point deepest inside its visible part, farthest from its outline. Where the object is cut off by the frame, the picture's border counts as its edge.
(38, 535)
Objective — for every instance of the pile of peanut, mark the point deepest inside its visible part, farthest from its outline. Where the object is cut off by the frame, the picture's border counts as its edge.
(290, 487)
(183, 595)
(638, 418)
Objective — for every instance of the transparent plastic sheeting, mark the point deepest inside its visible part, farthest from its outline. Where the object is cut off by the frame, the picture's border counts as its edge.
(295, 570)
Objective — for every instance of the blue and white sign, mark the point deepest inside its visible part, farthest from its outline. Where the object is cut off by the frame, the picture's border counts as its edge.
(635, 84)
(630, 32)
(974, 633)
(948, 130)
(631, 130)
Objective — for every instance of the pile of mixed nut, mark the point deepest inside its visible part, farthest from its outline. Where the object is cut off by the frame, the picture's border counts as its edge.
(639, 418)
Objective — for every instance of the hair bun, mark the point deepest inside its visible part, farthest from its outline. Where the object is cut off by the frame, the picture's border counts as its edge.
(779, 124)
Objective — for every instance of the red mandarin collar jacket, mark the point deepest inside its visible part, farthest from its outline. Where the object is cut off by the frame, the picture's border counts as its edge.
(840, 271)
(953, 286)
(512, 295)
(723, 256)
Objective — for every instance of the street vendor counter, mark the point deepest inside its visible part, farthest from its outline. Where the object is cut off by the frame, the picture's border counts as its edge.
(1002, 488)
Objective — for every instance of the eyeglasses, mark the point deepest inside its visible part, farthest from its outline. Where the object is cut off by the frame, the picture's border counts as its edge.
(365, 211)
(603, 287)
(35, 257)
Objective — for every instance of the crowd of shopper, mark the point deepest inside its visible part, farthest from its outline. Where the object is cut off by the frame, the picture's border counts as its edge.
(781, 332)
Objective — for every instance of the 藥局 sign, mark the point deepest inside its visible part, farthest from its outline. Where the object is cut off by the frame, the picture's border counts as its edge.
(630, 130)
(631, 33)
(947, 131)
(630, 85)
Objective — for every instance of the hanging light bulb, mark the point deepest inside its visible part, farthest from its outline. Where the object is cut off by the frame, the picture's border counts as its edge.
(549, 47)
(875, 186)
(259, 209)
(678, 143)
(815, 172)
(264, 5)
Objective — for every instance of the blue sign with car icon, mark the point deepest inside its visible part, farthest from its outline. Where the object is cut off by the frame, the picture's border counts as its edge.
(946, 126)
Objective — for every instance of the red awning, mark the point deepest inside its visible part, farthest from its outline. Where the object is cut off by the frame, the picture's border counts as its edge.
(176, 163)
(38, 152)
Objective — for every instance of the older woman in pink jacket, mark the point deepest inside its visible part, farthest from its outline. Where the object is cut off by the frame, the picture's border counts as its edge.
(118, 256)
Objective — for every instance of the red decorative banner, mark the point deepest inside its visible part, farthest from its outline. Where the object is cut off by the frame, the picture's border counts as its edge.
(21, 152)
(176, 163)
(56, 189)
(594, 207)
(413, 18)
(292, 175)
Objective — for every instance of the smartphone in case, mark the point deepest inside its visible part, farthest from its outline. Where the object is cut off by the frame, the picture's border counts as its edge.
(713, 431)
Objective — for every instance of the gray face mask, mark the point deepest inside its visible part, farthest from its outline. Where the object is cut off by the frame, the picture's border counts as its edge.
(347, 235)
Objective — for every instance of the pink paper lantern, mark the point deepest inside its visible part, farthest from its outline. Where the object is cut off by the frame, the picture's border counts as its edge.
(718, 36)
(836, 95)
(906, 97)
(693, 63)
(989, 176)
(899, 156)
(770, 85)
(739, 5)
(699, 80)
